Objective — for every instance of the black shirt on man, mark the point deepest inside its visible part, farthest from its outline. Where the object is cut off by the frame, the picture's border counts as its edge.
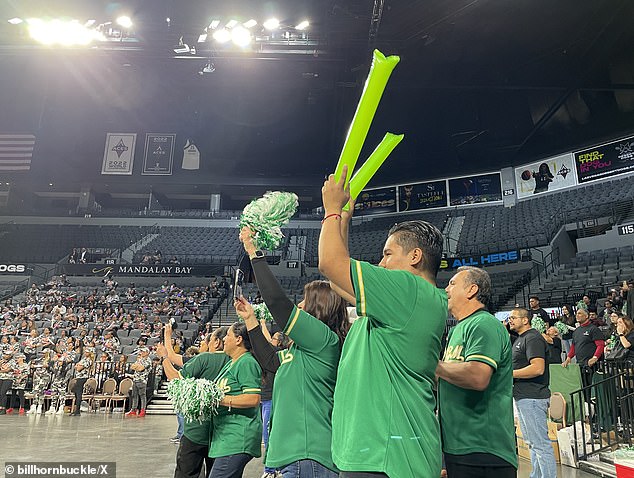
(528, 346)
(583, 339)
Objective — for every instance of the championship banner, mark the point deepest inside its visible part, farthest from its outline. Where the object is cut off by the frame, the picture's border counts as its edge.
(414, 197)
(605, 160)
(549, 174)
(475, 189)
(159, 154)
(376, 201)
(118, 156)
(157, 270)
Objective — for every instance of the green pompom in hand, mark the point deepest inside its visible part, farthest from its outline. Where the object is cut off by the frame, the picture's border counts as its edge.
(538, 324)
(196, 399)
(262, 312)
(561, 328)
(266, 215)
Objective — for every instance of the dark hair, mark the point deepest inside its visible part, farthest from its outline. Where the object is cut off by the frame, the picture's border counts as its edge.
(326, 305)
(523, 313)
(533, 297)
(424, 236)
(240, 330)
(481, 278)
(220, 333)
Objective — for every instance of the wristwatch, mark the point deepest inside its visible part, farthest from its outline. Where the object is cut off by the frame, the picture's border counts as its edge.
(257, 254)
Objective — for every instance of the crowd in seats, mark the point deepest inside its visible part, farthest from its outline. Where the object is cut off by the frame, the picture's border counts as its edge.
(57, 323)
(532, 222)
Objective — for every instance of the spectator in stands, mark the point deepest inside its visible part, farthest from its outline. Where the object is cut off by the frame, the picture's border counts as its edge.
(531, 393)
(554, 348)
(42, 377)
(30, 345)
(537, 311)
(625, 331)
(392, 300)
(174, 260)
(82, 373)
(72, 257)
(21, 370)
(594, 318)
(237, 428)
(62, 371)
(569, 320)
(141, 369)
(6, 378)
(120, 368)
(318, 327)
(475, 386)
(587, 345)
(607, 311)
(584, 303)
(83, 256)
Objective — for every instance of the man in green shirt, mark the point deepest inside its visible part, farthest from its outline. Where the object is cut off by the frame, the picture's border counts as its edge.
(383, 421)
(475, 386)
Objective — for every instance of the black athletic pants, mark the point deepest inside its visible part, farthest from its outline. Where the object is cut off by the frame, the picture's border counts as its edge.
(190, 458)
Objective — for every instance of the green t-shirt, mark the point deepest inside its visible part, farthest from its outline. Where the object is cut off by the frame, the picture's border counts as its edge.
(303, 394)
(238, 430)
(383, 418)
(205, 365)
(474, 421)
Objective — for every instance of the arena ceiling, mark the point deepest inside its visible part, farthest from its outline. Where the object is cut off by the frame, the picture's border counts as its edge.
(482, 84)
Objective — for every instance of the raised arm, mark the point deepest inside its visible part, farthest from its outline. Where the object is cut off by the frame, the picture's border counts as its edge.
(175, 358)
(334, 258)
(263, 351)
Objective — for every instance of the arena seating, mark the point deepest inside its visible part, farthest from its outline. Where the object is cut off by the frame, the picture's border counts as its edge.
(533, 222)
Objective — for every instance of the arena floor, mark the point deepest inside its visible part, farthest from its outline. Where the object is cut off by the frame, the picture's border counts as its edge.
(139, 446)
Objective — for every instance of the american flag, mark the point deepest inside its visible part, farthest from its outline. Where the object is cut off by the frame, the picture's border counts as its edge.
(16, 151)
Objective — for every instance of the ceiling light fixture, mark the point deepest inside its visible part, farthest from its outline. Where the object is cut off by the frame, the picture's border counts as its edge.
(231, 23)
(241, 36)
(222, 36)
(272, 24)
(303, 25)
(250, 24)
(124, 21)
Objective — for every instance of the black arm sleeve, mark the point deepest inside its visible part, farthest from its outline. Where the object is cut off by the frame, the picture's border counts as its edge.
(274, 297)
(263, 351)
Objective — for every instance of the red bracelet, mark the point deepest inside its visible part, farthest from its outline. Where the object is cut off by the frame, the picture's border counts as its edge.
(331, 215)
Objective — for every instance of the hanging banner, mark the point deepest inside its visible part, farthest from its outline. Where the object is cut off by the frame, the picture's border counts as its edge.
(414, 197)
(496, 258)
(191, 156)
(376, 201)
(549, 174)
(606, 160)
(159, 154)
(118, 156)
(475, 189)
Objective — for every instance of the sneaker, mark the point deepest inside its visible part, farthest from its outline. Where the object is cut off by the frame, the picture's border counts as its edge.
(50, 411)
(142, 413)
(175, 439)
(32, 410)
(9, 410)
(38, 410)
(22, 412)
(131, 413)
(60, 410)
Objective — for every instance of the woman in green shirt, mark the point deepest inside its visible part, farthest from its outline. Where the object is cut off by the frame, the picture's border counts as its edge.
(301, 431)
(237, 428)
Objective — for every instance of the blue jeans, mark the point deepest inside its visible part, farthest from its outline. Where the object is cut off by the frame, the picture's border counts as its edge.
(266, 417)
(231, 466)
(307, 469)
(533, 415)
(181, 425)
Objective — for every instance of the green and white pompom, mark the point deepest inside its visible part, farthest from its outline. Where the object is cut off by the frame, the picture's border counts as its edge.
(262, 312)
(266, 215)
(561, 328)
(538, 324)
(196, 399)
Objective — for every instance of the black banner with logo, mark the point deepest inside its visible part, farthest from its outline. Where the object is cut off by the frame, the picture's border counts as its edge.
(9, 269)
(376, 201)
(475, 189)
(496, 258)
(155, 270)
(605, 161)
(414, 197)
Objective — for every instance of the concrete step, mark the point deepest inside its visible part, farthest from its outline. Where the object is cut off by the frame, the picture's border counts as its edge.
(599, 468)
(149, 411)
(161, 406)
